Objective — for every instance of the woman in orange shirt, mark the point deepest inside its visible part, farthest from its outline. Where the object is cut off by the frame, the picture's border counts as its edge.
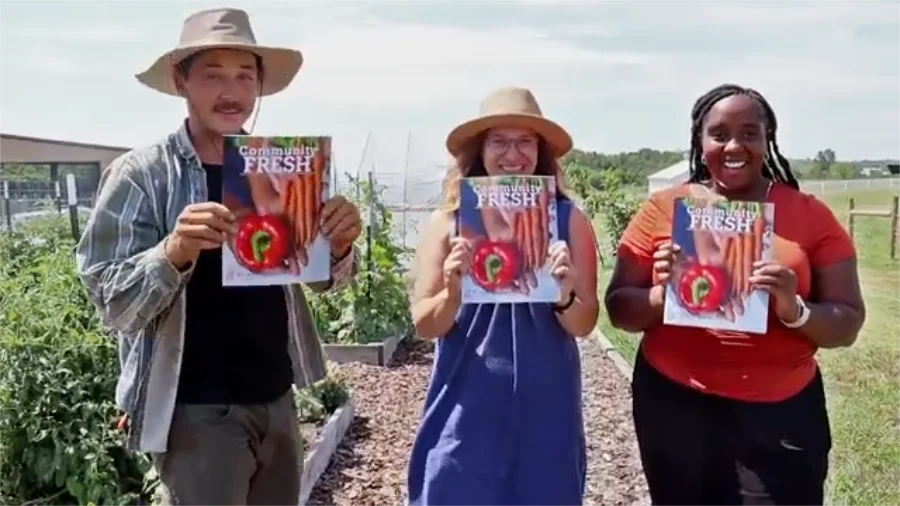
(730, 417)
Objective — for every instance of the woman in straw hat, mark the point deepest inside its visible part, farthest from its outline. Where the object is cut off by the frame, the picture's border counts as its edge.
(502, 422)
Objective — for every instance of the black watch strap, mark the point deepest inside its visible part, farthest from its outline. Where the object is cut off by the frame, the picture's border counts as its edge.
(335, 260)
(567, 305)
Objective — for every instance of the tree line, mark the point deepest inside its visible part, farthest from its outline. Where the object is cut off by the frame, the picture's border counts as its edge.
(634, 166)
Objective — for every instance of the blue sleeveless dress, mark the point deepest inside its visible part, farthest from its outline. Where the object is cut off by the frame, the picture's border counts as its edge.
(502, 422)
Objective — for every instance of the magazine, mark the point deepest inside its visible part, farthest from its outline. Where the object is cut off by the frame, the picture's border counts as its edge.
(511, 223)
(710, 286)
(276, 187)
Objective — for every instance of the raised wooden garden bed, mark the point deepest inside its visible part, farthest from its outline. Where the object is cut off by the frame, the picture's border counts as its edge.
(369, 353)
(320, 451)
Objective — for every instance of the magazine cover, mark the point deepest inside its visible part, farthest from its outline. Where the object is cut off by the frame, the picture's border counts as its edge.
(511, 223)
(719, 242)
(276, 187)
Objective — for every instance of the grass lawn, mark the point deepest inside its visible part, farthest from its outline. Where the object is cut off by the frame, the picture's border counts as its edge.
(862, 382)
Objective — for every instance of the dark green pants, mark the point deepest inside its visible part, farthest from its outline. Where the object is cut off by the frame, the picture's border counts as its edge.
(232, 454)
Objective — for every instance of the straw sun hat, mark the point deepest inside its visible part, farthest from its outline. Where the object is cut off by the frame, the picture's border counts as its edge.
(510, 108)
(222, 29)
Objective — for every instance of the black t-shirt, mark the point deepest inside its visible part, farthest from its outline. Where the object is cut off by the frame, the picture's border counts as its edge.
(236, 338)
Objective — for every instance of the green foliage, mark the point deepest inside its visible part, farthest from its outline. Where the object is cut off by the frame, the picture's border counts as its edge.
(374, 305)
(635, 165)
(57, 381)
(616, 206)
(25, 173)
(845, 170)
(825, 165)
(318, 401)
(584, 182)
(33, 241)
(41, 173)
(607, 196)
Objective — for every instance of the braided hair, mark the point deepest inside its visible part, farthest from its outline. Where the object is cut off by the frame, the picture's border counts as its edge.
(775, 166)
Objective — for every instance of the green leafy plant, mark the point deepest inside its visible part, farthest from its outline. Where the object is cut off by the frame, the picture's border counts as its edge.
(57, 381)
(616, 207)
(585, 183)
(374, 304)
(605, 194)
(318, 401)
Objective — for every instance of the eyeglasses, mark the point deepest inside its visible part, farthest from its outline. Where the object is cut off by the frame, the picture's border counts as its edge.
(502, 144)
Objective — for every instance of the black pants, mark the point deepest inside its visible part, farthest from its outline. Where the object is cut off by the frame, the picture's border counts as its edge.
(703, 449)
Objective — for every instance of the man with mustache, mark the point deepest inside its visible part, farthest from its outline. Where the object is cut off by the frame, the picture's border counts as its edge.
(206, 371)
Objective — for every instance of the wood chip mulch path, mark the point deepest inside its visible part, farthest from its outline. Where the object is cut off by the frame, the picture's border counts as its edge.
(369, 467)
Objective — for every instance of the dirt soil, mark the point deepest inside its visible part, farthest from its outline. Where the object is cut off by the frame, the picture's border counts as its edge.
(369, 467)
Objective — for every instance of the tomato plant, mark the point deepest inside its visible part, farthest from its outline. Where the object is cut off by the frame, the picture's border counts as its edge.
(374, 305)
(57, 381)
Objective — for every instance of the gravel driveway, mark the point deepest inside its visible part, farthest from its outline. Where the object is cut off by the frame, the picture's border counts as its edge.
(369, 467)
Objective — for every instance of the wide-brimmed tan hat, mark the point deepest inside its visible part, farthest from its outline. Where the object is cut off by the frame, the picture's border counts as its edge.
(223, 29)
(510, 107)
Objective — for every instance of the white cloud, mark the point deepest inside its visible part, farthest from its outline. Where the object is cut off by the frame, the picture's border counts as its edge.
(811, 79)
(804, 12)
(414, 45)
(417, 65)
(764, 17)
(562, 3)
(98, 33)
(591, 29)
(51, 60)
(699, 29)
(366, 73)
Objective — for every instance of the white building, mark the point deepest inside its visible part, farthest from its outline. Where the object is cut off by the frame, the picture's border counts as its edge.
(673, 175)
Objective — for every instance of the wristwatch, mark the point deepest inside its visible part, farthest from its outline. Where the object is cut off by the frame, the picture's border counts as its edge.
(802, 315)
(567, 305)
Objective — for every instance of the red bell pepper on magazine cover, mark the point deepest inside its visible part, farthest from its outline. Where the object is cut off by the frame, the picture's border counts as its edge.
(276, 186)
(710, 285)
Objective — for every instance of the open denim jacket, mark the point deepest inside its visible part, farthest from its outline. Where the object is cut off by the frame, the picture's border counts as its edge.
(140, 294)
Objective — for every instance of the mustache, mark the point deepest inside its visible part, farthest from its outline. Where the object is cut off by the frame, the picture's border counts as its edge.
(228, 107)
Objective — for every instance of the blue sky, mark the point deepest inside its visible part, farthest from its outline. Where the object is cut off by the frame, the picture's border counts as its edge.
(619, 75)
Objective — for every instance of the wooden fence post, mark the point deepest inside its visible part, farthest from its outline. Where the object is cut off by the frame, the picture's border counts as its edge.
(890, 214)
(72, 191)
(58, 194)
(894, 209)
(7, 206)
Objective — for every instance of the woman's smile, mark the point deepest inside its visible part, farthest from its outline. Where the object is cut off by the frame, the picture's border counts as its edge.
(512, 169)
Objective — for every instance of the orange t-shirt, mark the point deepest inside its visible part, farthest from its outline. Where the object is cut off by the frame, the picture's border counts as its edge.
(736, 365)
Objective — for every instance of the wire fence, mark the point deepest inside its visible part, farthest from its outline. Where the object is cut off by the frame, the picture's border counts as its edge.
(32, 200)
(409, 201)
(847, 185)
